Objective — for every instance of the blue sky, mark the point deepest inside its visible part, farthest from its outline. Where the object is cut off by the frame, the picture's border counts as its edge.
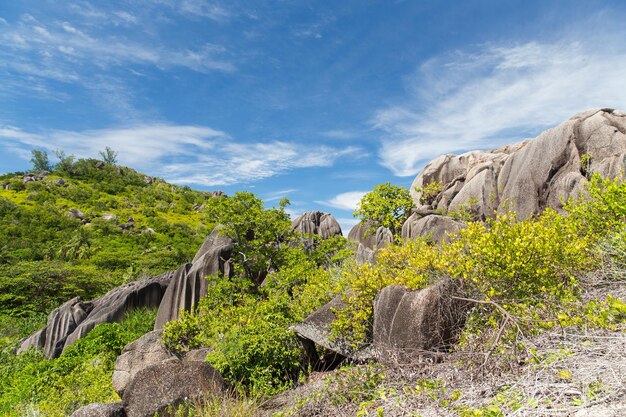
(314, 100)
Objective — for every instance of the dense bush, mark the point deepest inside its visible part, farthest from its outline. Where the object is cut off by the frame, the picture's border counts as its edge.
(386, 205)
(33, 385)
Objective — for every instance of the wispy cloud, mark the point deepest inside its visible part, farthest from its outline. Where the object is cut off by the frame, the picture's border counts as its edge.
(181, 154)
(278, 195)
(495, 94)
(345, 201)
(58, 46)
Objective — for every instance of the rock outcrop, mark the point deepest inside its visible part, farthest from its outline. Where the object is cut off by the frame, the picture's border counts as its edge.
(169, 383)
(146, 351)
(189, 283)
(317, 223)
(434, 227)
(410, 322)
(529, 176)
(369, 240)
(316, 330)
(100, 410)
(74, 319)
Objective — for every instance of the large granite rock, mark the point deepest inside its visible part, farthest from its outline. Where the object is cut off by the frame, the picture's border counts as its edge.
(316, 330)
(412, 322)
(369, 240)
(317, 223)
(529, 176)
(74, 319)
(143, 352)
(434, 227)
(172, 382)
(189, 283)
(62, 322)
(100, 410)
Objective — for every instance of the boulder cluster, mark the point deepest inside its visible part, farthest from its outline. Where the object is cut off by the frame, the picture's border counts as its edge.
(526, 178)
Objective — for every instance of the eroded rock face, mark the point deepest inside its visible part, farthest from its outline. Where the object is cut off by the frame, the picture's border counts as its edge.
(189, 283)
(317, 223)
(62, 322)
(100, 410)
(370, 240)
(74, 319)
(158, 386)
(146, 351)
(437, 228)
(317, 329)
(410, 322)
(529, 176)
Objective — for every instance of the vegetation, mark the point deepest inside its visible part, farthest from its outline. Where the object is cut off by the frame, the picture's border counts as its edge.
(386, 205)
(522, 278)
(31, 384)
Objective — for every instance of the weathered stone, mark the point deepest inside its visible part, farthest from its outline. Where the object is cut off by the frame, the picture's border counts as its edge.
(77, 214)
(189, 283)
(409, 322)
(74, 319)
(111, 307)
(435, 227)
(143, 352)
(317, 328)
(529, 176)
(110, 217)
(100, 410)
(62, 322)
(197, 355)
(364, 255)
(169, 383)
(317, 223)
(36, 340)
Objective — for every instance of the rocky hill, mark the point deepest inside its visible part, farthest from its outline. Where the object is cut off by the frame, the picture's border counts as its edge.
(502, 295)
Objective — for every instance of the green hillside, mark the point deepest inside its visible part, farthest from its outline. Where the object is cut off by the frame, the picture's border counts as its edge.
(47, 256)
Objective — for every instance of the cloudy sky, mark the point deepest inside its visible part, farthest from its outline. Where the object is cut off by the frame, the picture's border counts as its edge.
(314, 100)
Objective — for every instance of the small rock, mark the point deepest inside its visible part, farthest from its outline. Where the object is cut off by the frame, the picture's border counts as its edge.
(156, 387)
(77, 214)
(100, 410)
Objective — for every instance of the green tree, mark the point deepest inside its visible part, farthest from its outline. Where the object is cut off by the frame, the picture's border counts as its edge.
(259, 234)
(109, 156)
(386, 205)
(40, 161)
(66, 162)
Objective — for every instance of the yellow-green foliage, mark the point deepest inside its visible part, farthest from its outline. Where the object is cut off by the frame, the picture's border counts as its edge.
(246, 327)
(429, 192)
(386, 205)
(529, 268)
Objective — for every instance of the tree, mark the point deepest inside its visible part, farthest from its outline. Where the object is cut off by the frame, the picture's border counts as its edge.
(66, 162)
(386, 205)
(40, 161)
(109, 156)
(259, 234)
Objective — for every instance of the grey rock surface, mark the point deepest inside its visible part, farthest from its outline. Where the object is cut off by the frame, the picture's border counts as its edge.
(62, 322)
(317, 328)
(435, 227)
(100, 410)
(146, 351)
(74, 319)
(532, 175)
(189, 283)
(412, 322)
(156, 387)
(317, 223)
(369, 240)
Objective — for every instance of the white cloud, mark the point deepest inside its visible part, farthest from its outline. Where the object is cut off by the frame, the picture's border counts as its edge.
(499, 94)
(33, 43)
(278, 195)
(345, 201)
(181, 154)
